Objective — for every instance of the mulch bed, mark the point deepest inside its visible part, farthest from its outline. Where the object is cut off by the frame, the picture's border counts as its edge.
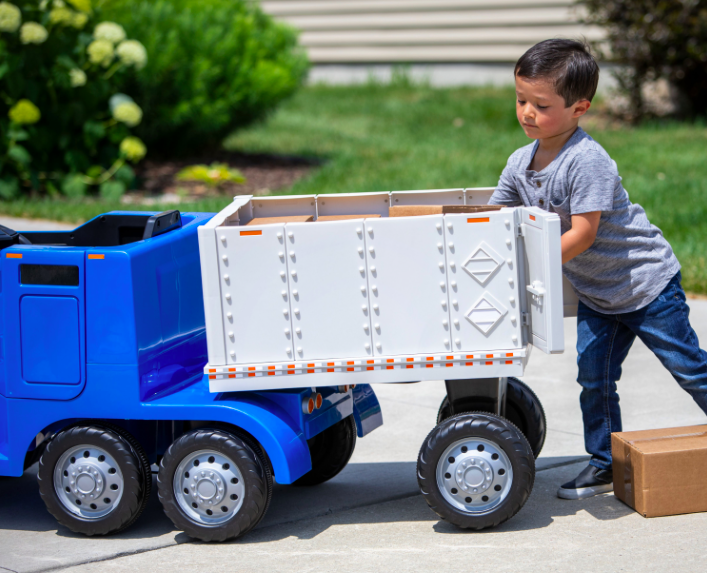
(264, 173)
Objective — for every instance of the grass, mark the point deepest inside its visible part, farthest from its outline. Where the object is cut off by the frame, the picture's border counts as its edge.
(399, 137)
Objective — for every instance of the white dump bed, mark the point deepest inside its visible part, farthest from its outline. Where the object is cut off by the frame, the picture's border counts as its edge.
(375, 298)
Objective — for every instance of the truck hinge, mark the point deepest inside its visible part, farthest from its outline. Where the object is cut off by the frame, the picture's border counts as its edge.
(525, 318)
(519, 231)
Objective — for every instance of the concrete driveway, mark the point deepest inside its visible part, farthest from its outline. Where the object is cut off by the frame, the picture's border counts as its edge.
(372, 518)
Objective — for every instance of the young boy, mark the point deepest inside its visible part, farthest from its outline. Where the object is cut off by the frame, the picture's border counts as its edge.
(622, 269)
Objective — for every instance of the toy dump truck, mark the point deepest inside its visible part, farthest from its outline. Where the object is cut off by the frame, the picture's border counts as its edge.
(338, 290)
(101, 376)
(247, 355)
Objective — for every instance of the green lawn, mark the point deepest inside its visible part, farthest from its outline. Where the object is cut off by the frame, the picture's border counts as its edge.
(378, 138)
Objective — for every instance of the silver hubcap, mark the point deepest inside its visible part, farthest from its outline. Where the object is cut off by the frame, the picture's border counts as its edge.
(88, 481)
(474, 475)
(208, 487)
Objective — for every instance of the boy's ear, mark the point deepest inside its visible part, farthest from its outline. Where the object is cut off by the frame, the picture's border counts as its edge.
(581, 107)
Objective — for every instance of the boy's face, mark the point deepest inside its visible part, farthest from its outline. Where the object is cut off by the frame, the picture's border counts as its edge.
(542, 112)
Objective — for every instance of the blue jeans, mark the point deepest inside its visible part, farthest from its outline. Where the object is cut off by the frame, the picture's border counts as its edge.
(603, 341)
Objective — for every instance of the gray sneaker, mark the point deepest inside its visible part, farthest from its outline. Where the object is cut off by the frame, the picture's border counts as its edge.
(590, 482)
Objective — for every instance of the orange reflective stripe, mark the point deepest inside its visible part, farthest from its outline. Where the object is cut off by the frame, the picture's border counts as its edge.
(250, 233)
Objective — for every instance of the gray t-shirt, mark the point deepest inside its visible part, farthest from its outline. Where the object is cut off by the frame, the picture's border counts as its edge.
(630, 262)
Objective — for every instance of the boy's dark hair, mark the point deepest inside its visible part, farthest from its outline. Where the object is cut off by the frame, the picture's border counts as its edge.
(568, 63)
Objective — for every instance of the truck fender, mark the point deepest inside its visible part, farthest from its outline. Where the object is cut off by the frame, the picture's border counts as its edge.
(272, 427)
(367, 410)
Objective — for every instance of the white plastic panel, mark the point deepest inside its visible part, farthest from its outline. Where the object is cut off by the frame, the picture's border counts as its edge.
(284, 205)
(407, 281)
(433, 197)
(483, 281)
(329, 290)
(256, 310)
(541, 235)
(235, 213)
(353, 204)
(211, 287)
(478, 195)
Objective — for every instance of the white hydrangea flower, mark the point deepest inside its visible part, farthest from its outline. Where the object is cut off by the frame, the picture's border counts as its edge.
(133, 149)
(33, 33)
(61, 16)
(10, 17)
(24, 112)
(79, 20)
(132, 53)
(100, 52)
(129, 113)
(78, 78)
(110, 31)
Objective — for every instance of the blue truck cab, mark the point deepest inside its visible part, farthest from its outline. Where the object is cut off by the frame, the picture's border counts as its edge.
(102, 351)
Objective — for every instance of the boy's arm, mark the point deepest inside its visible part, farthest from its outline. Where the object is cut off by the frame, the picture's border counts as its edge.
(581, 236)
(506, 192)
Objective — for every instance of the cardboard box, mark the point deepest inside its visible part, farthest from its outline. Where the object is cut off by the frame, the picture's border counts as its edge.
(417, 210)
(324, 218)
(661, 472)
(287, 219)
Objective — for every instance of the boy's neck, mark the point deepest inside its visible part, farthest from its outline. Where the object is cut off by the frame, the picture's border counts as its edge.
(549, 147)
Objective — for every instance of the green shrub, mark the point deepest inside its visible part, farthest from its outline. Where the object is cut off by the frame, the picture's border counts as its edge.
(215, 65)
(654, 39)
(62, 124)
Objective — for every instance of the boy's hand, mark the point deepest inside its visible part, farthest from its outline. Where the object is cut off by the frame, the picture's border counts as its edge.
(581, 236)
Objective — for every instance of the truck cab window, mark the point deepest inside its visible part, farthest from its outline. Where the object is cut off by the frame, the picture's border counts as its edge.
(55, 275)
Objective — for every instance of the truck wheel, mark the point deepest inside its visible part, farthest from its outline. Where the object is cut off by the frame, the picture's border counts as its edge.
(475, 470)
(213, 486)
(522, 408)
(331, 450)
(94, 480)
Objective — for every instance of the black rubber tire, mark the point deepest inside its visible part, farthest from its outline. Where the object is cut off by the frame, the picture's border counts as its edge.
(490, 427)
(331, 450)
(133, 464)
(523, 409)
(257, 479)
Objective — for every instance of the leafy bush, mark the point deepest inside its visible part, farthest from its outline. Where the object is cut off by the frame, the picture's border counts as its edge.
(656, 39)
(215, 65)
(62, 125)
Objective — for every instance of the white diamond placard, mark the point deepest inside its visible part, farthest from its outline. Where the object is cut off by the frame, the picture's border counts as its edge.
(486, 313)
(483, 263)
